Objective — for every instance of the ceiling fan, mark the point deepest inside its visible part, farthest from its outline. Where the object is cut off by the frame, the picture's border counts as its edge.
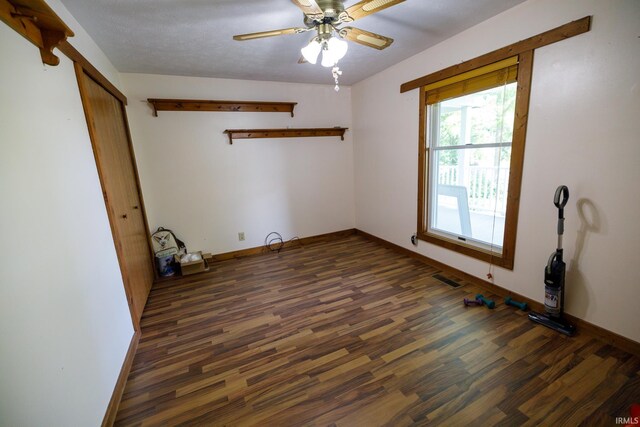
(325, 17)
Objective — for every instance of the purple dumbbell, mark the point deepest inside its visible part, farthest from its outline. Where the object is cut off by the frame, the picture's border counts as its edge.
(472, 302)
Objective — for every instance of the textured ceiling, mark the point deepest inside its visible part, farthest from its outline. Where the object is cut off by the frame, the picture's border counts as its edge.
(194, 37)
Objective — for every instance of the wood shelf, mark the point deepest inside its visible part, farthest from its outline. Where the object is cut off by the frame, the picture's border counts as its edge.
(227, 106)
(38, 23)
(284, 133)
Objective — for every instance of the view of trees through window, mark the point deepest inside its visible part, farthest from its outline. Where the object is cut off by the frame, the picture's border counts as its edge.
(470, 138)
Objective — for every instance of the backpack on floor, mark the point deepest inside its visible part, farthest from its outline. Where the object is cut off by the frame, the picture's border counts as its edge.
(165, 243)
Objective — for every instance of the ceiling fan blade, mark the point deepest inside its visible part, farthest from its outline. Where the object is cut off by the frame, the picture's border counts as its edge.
(310, 8)
(366, 38)
(367, 7)
(302, 60)
(263, 34)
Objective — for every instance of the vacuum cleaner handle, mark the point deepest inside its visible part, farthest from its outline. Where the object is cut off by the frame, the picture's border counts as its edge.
(560, 199)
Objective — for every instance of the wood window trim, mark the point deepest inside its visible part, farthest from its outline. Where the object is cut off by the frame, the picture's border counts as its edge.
(557, 34)
(525, 52)
(506, 258)
(284, 133)
(222, 106)
(472, 83)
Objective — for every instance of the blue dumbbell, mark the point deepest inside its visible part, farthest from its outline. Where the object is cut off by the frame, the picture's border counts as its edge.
(521, 305)
(488, 302)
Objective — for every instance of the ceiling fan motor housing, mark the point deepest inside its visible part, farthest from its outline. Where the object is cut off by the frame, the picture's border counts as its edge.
(332, 10)
(324, 31)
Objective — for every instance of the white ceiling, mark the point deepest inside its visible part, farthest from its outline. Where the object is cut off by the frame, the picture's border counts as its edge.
(194, 37)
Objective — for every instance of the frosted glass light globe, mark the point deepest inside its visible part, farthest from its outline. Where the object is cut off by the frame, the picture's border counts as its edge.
(311, 51)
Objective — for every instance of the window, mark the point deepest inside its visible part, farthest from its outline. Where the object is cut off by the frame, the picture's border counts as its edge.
(471, 152)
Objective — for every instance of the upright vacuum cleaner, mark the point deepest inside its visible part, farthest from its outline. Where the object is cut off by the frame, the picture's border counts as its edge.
(554, 277)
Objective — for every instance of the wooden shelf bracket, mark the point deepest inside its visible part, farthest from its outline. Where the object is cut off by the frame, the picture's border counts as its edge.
(226, 106)
(38, 23)
(284, 133)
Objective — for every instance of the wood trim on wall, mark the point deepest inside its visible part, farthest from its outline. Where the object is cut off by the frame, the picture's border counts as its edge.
(523, 90)
(112, 409)
(224, 106)
(285, 133)
(583, 326)
(557, 34)
(466, 249)
(71, 53)
(259, 250)
(304, 241)
(38, 23)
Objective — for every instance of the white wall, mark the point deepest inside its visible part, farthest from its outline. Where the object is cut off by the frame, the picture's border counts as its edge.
(207, 190)
(583, 132)
(64, 322)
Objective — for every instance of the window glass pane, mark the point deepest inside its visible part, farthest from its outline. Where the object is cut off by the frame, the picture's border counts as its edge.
(469, 193)
(484, 117)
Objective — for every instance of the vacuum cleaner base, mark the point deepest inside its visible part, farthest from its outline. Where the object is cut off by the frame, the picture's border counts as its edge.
(559, 325)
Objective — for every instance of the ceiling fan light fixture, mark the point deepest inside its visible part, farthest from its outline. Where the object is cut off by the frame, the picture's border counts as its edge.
(328, 60)
(311, 51)
(333, 51)
(325, 17)
(339, 47)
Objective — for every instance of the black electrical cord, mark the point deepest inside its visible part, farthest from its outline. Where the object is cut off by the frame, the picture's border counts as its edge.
(268, 243)
(277, 243)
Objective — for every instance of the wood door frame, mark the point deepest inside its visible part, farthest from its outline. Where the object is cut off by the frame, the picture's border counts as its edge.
(83, 67)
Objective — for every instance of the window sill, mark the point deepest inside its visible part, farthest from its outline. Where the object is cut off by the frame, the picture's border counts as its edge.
(501, 260)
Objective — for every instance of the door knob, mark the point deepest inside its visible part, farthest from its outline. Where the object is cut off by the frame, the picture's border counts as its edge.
(124, 216)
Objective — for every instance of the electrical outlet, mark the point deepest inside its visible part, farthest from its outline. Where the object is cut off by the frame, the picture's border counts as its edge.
(241, 236)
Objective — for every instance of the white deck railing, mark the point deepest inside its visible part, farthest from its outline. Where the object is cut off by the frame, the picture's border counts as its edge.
(480, 182)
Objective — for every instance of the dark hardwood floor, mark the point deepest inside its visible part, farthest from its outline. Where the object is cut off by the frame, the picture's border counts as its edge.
(350, 333)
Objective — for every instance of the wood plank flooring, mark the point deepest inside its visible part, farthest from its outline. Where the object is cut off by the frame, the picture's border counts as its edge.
(350, 333)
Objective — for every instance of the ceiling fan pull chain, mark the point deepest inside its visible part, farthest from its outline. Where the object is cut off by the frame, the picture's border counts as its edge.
(336, 74)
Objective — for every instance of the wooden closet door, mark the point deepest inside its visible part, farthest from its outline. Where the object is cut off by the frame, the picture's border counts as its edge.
(109, 132)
